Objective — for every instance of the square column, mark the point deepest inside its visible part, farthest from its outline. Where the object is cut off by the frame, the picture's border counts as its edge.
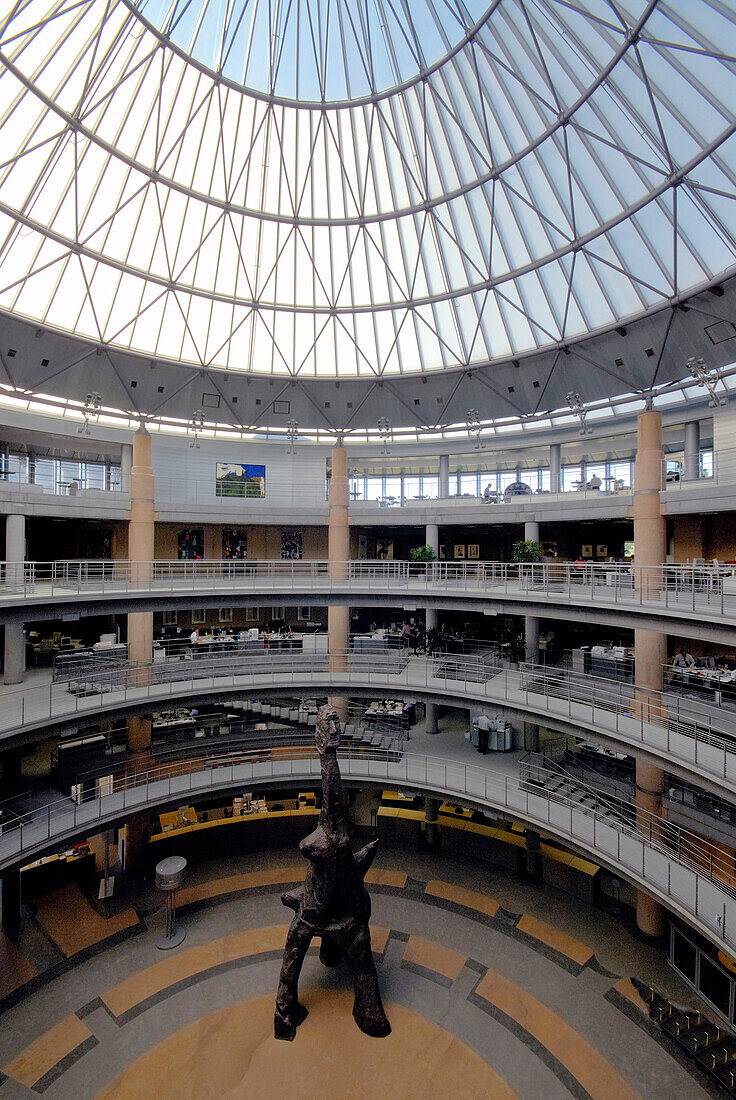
(14, 662)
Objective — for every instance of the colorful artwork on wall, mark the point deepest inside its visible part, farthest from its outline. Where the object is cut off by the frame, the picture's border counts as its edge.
(234, 543)
(190, 543)
(292, 545)
(234, 479)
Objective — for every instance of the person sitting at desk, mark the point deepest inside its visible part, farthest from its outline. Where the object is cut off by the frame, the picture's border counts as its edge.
(194, 636)
(683, 660)
(594, 483)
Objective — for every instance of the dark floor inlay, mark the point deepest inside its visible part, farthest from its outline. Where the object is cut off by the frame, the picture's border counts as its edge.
(194, 979)
(66, 1063)
(90, 1007)
(478, 967)
(544, 949)
(593, 964)
(425, 972)
(561, 1072)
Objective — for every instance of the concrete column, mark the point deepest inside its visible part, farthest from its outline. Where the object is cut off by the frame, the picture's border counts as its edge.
(141, 528)
(431, 828)
(431, 710)
(531, 653)
(126, 464)
(649, 523)
(555, 459)
(691, 471)
(15, 554)
(531, 644)
(11, 903)
(650, 647)
(532, 855)
(444, 476)
(338, 541)
(531, 638)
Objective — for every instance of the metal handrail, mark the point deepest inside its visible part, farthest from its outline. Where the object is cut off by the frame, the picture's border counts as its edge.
(701, 893)
(665, 724)
(635, 819)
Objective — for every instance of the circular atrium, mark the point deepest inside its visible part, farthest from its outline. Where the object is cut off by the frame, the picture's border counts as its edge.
(365, 378)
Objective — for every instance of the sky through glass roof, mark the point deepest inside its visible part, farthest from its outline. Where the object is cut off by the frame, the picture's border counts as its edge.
(566, 167)
(316, 49)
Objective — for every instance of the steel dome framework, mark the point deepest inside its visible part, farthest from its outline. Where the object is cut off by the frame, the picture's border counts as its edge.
(363, 190)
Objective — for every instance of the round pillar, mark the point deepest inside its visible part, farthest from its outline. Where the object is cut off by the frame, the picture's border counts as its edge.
(691, 469)
(650, 647)
(141, 531)
(555, 462)
(431, 827)
(338, 550)
(14, 656)
(444, 472)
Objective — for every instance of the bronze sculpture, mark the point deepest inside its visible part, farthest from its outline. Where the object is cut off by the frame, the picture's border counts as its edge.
(333, 903)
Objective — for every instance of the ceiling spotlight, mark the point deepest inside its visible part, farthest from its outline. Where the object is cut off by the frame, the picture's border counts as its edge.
(92, 406)
(576, 406)
(194, 427)
(385, 433)
(707, 377)
(292, 430)
(474, 427)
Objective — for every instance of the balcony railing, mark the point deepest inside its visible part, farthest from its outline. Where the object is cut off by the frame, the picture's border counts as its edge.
(679, 588)
(639, 845)
(672, 729)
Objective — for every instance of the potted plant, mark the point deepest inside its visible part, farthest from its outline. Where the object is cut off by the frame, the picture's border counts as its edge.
(526, 551)
(420, 556)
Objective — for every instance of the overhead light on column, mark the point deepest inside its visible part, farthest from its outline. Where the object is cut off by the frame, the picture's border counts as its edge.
(385, 432)
(474, 426)
(194, 427)
(576, 406)
(292, 430)
(92, 406)
(707, 377)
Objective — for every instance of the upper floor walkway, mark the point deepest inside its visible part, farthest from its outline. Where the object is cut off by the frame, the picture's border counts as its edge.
(698, 601)
(684, 736)
(656, 856)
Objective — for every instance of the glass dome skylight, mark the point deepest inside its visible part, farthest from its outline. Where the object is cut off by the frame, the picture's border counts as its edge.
(544, 170)
(315, 50)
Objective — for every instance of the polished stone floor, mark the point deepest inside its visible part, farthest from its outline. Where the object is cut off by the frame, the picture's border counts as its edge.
(495, 987)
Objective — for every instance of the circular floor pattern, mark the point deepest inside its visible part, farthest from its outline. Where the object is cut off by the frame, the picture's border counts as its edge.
(232, 1053)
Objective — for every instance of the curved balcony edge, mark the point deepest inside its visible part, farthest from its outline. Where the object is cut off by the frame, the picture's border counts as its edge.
(706, 904)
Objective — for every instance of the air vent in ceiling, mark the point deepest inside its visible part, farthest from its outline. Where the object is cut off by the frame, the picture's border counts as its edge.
(720, 332)
(649, 352)
(210, 400)
(283, 407)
